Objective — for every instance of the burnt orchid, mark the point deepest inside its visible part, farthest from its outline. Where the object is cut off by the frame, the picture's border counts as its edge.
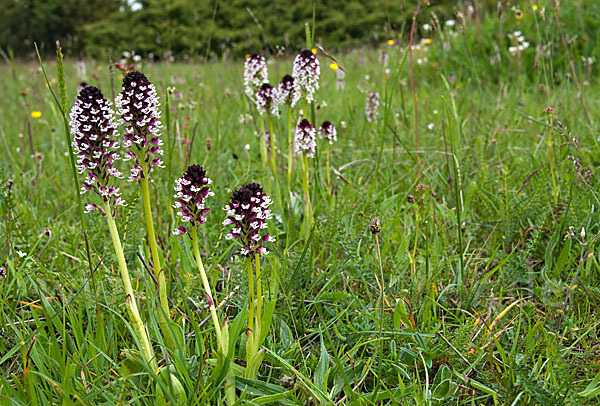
(306, 73)
(289, 94)
(248, 212)
(267, 102)
(138, 110)
(371, 107)
(289, 91)
(255, 73)
(94, 129)
(192, 189)
(327, 131)
(306, 144)
(305, 138)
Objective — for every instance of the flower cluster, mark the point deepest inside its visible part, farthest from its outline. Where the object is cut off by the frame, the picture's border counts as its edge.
(520, 44)
(305, 139)
(289, 91)
(138, 109)
(306, 73)
(255, 73)
(267, 100)
(327, 131)
(248, 211)
(372, 106)
(192, 189)
(94, 130)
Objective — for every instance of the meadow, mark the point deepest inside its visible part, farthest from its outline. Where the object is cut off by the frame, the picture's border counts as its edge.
(448, 255)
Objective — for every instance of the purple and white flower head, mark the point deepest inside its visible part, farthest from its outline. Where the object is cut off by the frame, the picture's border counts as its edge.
(372, 106)
(94, 129)
(289, 91)
(138, 108)
(248, 211)
(305, 138)
(267, 100)
(327, 131)
(191, 192)
(306, 73)
(255, 73)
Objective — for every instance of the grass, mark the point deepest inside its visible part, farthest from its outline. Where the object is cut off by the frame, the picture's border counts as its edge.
(490, 297)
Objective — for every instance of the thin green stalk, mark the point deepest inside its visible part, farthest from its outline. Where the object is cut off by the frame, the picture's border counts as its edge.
(207, 290)
(159, 275)
(258, 298)
(290, 149)
(263, 143)
(327, 167)
(272, 137)
(382, 301)
(307, 206)
(136, 320)
(250, 292)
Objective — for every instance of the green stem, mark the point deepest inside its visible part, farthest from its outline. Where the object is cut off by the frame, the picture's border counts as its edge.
(290, 149)
(263, 143)
(134, 314)
(307, 206)
(211, 303)
(258, 300)
(272, 137)
(159, 274)
(554, 184)
(327, 166)
(250, 292)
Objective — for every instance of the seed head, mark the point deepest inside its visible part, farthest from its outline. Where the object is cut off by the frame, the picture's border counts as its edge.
(255, 73)
(375, 226)
(327, 131)
(191, 192)
(372, 106)
(305, 139)
(138, 108)
(289, 91)
(306, 73)
(267, 100)
(248, 211)
(94, 130)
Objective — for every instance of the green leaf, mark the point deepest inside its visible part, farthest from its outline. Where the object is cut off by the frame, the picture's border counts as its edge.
(322, 370)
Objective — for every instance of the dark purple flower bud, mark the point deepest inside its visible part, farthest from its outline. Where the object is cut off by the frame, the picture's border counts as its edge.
(94, 129)
(289, 91)
(267, 100)
(248, 211)
(192, 189)
(138, 108)
(255, 73)
(306, 73)
(372, 106)
(327, 131)
(305, 138)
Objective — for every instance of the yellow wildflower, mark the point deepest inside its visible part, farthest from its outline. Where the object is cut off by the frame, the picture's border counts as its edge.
(391, 42)
(36, 114)
(314, 51)
(428, 41)
(334, 66)
(534, 7)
